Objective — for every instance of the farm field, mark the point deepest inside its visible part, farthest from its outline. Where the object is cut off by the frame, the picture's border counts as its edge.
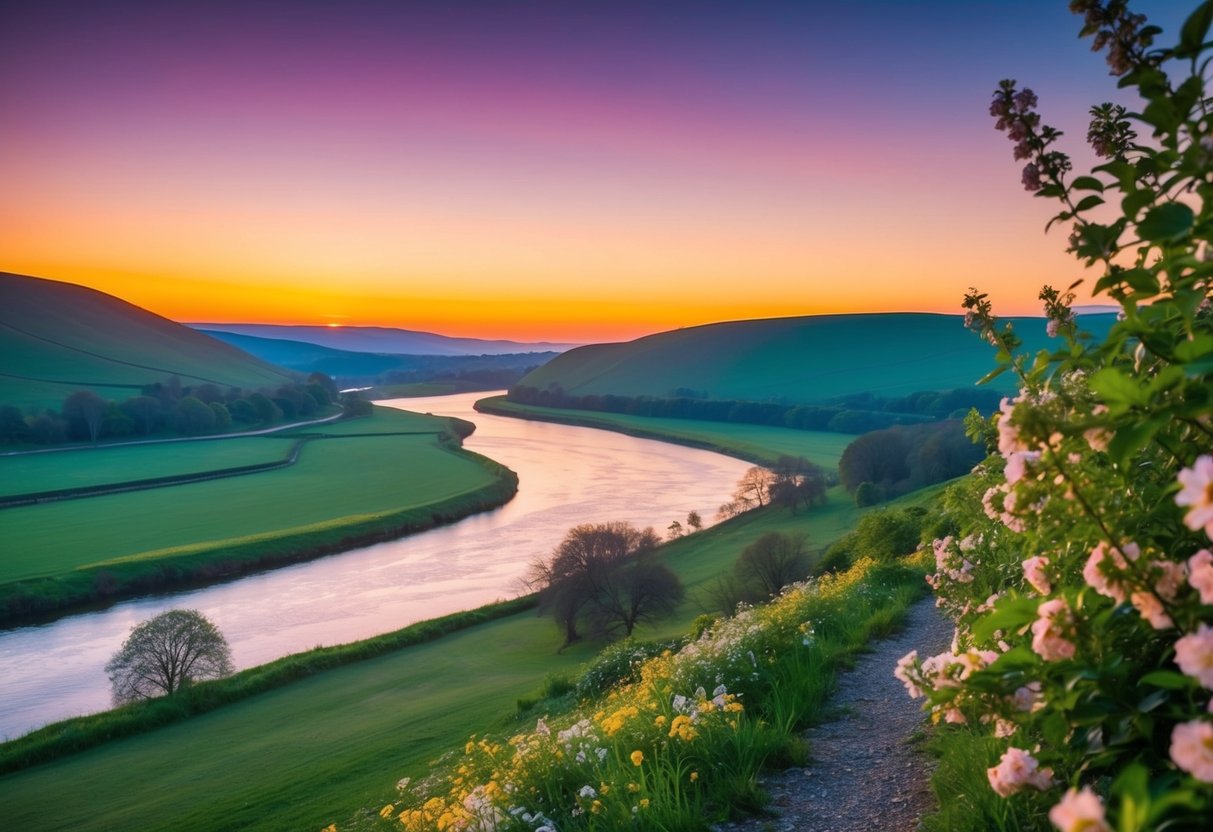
(78, 468)
(757, 443)
(356, 477)
(367, 724)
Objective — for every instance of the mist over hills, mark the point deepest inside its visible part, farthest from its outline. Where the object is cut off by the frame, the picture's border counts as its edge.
(384, 340)
(58, 337)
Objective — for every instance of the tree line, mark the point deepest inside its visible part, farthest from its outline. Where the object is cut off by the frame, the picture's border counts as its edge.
(858, 413)
(169, 407)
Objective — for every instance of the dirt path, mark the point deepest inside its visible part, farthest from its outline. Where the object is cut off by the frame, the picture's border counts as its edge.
(864, 772)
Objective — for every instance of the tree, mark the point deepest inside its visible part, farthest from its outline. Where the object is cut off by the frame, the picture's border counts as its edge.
(144, 410)
(675, 530)
(772, 562)
(84, 411)
(13, 427)
(166, 653)
(694, 521)
(754, 487)
(877, 457)
(577, 572)
(795, 480)
(192, 417)
(631, 593)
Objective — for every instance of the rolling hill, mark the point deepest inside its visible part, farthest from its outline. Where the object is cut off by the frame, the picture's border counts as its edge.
(59, 337)
(349, 365)
(377, 339)
(792, 360)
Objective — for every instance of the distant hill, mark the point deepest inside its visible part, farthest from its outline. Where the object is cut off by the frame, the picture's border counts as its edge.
(376, 339)
(792, 360)
(345, 364)
(59, 337)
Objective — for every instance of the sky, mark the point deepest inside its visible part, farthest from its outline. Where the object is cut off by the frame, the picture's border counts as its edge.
(571, 171)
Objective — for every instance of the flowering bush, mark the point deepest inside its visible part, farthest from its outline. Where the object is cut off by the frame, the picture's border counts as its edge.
(1080, 572)
(682, 741)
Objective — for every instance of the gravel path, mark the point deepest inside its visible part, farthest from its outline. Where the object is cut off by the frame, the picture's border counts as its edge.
(863, 774)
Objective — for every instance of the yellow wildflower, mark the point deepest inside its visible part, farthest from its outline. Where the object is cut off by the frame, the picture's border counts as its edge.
(633, 787)
(694, 776)
(644, 803)
(659, 721)
(637, 757)
(386, 811)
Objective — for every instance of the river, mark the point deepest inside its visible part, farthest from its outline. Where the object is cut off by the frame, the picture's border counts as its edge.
(567, 475)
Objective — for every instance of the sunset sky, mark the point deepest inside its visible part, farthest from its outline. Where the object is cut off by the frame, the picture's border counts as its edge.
(572, 171)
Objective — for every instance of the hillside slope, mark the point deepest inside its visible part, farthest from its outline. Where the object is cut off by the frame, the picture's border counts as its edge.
(379, 339)
(58, 337)
(793, 360)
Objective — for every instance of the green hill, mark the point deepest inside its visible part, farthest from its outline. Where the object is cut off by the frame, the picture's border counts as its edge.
(59, 337)
(792, 360)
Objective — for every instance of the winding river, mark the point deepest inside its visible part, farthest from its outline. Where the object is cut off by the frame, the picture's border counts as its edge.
(568, 475)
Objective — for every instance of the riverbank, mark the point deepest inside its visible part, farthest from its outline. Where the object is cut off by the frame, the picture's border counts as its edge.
(759, 444)
(341, 736)
(347, 490)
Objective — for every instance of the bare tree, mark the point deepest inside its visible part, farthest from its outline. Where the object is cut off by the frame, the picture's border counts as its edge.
(794, 481)
(634, 592)
(84, 411)
(578, 569)
(165, 653)
(694, 521)
(754, 487)
(772, 562)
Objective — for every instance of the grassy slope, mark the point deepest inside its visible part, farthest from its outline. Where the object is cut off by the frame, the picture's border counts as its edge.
(803, 359)
(360, 483)
(334, 479)
(59, 337)
(109, 465)
(317, 750)
(756, 443)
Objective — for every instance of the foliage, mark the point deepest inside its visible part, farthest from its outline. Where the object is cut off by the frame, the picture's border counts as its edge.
(901, 459)
(166, 653)
(677, 746)
(602, 574)
(1081, 572)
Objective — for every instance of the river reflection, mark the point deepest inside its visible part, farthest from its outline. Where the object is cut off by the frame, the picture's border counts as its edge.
(568, 475)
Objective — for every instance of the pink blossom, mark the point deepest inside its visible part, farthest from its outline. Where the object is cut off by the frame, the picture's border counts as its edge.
(1016, 770)
(1017, 463)
(1197, 493)
(1034, 574)
(1050, 631)
(1079, 811)
(1105, 558)
(1200, 574)
(1194, 655)
(987, 501)
(904, 673)
(1192, 749)
(1004, 728)
(1151, 609)
(1028, 698)
(1173, 576)
(1008, 435)
(954, 717)
(1098, 438)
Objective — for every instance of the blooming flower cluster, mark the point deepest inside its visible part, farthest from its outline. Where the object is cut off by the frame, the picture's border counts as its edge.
(1086, 583)
(651, 749)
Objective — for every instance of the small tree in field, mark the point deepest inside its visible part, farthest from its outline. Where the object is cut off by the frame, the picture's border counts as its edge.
(165, 653)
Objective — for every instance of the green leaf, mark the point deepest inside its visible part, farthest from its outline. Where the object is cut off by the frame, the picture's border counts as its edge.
(1135, 201)
(1167, 679)
(1152, 701)
(1114, 387)
(1088, 203)
(993, 374)
(1194, 30)
(1129, 439)
(1200, 346)
(1010, 614)
(1169, 221)
(1087, 183)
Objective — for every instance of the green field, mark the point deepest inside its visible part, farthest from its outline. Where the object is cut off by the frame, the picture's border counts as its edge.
(104, 465)
(358, 480)
(792, 360)
(317, 750)
(59, 337)
(756, 443)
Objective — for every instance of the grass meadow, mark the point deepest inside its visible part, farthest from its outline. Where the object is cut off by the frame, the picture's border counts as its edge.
(320, 748)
